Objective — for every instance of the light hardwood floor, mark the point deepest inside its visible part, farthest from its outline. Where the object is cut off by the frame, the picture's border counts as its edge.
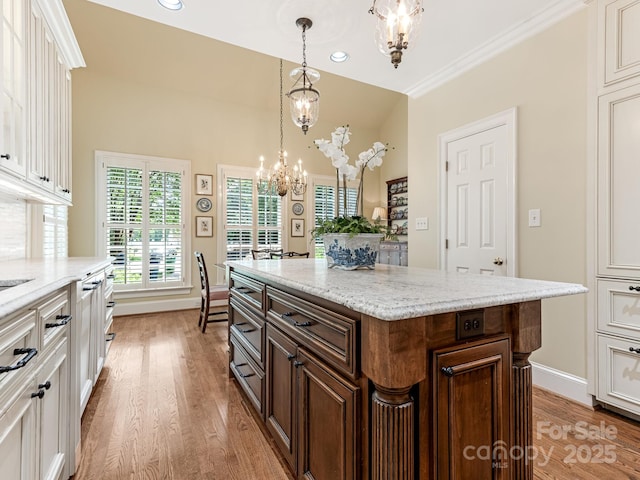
(164, 408)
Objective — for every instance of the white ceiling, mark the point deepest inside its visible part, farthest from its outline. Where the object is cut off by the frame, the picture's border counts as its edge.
(455, 34)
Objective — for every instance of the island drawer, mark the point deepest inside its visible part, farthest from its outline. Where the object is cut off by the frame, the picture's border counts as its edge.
(619, 307)
(249, 375)
(54, 317)
(329, 335)
(248, 328)
(248, 290)
(19, 348)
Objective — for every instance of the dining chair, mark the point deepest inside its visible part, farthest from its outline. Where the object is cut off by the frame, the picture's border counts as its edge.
(290, 255)
(210, 293)
(264, 253)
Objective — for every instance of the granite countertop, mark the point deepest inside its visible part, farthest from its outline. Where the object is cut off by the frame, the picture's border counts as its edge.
(45, 275)
(395, 293)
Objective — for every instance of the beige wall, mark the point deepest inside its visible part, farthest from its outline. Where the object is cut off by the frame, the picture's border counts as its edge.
(545, 77)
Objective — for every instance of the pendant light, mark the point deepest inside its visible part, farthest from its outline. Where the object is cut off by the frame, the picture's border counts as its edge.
(397, 25)
(281, 178)
(304, 100)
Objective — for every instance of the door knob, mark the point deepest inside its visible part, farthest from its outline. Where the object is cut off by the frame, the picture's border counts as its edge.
(498, 261)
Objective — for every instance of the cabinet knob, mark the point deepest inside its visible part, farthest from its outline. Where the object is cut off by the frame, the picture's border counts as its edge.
(39, 394)
(291, 356)
(46, 385)
(448, 371)
(6, 156)
(636, 350)
(297, 363)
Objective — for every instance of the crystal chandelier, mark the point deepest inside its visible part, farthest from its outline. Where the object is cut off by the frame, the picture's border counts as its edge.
(397, 23)
(281, 179)
(303, 98)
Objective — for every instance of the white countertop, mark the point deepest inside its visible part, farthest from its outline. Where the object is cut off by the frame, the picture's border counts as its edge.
(395, 293)
(46, 276)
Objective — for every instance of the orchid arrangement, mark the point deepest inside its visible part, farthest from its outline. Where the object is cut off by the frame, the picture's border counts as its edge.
(335, 150)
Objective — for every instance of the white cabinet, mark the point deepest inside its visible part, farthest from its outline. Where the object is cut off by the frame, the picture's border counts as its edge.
(13, 80)
(39, 51)
(615, 348)
(34, 391)
(619, 42)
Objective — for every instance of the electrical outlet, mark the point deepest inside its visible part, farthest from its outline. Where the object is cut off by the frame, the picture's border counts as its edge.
(469, 324)
(534, 217)
(422, 223)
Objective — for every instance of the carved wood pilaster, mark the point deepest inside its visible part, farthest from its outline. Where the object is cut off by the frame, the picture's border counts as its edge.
(522, 467)
(392, 439)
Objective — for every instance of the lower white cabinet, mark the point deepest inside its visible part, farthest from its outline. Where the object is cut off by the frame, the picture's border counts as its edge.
(619, 372)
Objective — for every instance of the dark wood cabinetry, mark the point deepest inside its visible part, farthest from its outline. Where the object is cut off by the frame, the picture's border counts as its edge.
(471, 397)
(347, 396)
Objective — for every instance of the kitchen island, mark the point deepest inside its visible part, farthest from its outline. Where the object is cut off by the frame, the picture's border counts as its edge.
(396, 373)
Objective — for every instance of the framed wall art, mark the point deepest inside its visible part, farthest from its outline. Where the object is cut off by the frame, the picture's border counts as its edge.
(204, 184)
(297, 198)
(297, 227)
(204, 226)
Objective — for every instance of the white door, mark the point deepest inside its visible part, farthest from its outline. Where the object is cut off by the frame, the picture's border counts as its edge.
(478, 197)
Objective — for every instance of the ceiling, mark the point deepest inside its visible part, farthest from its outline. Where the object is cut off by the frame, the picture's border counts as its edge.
(455, 34)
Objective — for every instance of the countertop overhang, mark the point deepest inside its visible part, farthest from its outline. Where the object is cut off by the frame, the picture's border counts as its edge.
(394, 293)
(45, 275)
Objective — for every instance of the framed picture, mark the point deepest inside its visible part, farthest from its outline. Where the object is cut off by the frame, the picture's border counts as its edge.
(204, 226)
(297, 227)
(204, 184)
(297, 198)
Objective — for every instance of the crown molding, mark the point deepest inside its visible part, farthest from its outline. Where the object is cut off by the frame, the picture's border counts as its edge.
(535, 24)
(56, 17)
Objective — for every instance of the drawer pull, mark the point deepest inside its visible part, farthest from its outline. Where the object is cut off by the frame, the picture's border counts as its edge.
(247, 330)
(46, 385)
(291, 356)
(6, 156)
(448, 371)
(111, 304)
(636, 288)
(64, 319)
(110, 337)
(39, 394)
(636, 350)
(243, 290)
(285, 315)
(30, 353)
(297, 363)
(302, 324)
(111, 276)
(245, 375)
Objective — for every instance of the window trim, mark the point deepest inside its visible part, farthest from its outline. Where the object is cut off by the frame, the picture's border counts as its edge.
(100, 227)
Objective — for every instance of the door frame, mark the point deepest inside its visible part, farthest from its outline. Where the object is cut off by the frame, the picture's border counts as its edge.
(506, 118)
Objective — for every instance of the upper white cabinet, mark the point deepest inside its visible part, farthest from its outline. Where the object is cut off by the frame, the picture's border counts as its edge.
(13, 80)
(619, 42)
(39, 50)
(618, 174)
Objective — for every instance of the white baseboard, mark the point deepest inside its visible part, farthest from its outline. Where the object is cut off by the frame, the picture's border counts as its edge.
(562, 383)
(152, 306)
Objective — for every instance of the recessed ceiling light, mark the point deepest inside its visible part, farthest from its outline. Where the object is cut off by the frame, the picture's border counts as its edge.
(172, 4)
(339, 56)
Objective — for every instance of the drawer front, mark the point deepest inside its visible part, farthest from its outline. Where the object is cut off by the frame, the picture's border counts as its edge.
(54, 318)
(619, 372)
(328, 335)
(19, 349)
(248, 290)
(619, 307)
(248, 374)
(248, 328)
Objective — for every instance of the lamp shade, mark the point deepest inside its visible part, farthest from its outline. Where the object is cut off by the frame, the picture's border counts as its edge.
(379, 213)
(397, 26)
(305, 106)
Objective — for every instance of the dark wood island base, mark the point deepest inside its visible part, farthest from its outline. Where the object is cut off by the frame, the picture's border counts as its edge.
(346, 395)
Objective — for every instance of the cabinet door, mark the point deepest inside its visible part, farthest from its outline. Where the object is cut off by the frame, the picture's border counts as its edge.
(18, 437)
(621, 38)
(618, 192)
(619, 372)
(13, 36)
(87, 347)
(327, 422)
(281, 393)
(471, 395)
(53, 383)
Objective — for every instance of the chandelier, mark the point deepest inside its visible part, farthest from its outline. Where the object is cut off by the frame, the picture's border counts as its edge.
(280, 179)
(304, 100)
(397, 23)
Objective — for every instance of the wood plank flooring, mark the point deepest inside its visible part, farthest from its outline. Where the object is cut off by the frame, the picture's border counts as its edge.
(164, 408)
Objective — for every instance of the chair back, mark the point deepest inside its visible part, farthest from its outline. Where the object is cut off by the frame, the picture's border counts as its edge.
(202, 268)
(290, 255)
(265, 253)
